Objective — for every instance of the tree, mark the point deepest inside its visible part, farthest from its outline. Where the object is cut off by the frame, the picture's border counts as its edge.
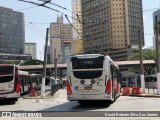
(31, 62)
(148, 54)
(10, 62)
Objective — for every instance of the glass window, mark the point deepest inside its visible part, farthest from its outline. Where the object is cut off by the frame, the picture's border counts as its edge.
(90, 63)
(6, 74)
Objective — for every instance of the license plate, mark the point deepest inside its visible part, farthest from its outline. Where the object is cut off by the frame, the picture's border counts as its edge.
(87, 88)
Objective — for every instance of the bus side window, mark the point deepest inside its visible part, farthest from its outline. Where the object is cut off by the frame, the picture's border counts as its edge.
(111, 69)
(120, 77)
(114, 72)
(21, 78)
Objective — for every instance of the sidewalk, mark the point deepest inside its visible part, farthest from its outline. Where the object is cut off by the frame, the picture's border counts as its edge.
(47, 95)
(148, 93)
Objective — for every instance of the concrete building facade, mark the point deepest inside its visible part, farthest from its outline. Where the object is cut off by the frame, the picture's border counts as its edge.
(12, 32)
(111, 26)
(67, 50)
(155, 13)
(59, 32)
(76, 20)
(31, 49)
(77, 46)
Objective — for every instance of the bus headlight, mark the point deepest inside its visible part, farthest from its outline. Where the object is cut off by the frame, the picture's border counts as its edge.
(82, 81)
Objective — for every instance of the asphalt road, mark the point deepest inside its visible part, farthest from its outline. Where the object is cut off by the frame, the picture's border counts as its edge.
(60, 103)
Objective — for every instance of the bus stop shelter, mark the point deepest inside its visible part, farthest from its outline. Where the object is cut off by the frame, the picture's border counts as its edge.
(129, 79)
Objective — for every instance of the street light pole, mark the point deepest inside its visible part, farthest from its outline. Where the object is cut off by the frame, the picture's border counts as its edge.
(44, 65)
(157, 56)
(141, 63)
(55, 66)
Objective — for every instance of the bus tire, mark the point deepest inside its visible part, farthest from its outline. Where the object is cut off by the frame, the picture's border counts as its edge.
(15, 99)
(82, 102)
(12, 100)
(114, 97)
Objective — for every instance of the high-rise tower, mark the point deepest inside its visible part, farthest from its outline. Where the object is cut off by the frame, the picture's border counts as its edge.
(111, 26)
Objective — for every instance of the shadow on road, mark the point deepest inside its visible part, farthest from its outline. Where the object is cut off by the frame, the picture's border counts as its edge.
(6, 102)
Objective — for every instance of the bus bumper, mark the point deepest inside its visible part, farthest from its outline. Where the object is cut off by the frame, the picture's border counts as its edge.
(75, 97)
(10, 95)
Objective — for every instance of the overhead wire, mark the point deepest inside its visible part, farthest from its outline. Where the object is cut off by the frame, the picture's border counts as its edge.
(91, 50)
(59, 6)
(37, 29)
(26, 8)
(43, 5)
(77, 19)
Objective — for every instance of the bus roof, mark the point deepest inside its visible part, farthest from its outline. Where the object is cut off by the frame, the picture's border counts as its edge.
(87, 55)
(23, 72)
(7, 65)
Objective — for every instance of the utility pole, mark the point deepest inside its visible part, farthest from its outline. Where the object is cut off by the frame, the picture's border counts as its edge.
(44, 65)
(157, 56)
(55, 66)
(141, 63)
(55, 72)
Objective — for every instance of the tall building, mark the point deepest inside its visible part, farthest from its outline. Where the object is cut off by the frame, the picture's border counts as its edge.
(31, 49)
(111, 26)
(155, 13)
(77, 47)
(12, 34)
(59, 32)
(67, 50)
(76, 14)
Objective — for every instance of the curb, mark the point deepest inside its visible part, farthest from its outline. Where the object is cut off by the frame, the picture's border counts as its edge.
(146, 95)
(143, 95)
(55, 95)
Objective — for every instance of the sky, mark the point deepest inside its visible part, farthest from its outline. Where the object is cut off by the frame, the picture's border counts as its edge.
(38, 19)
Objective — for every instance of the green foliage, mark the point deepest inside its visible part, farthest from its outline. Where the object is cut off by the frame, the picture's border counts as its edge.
(148, 54)
(10, 62)
(31, 62)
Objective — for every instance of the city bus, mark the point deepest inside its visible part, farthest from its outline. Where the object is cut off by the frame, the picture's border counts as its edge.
(151, 81)
(92, 77)
(25, 82)
(37, 81)
(9, 82)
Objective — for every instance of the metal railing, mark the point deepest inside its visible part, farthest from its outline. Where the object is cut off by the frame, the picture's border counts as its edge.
(55, 88)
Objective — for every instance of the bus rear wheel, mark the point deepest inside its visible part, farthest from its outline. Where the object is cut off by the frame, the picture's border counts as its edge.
(113, 98)
(12, 100)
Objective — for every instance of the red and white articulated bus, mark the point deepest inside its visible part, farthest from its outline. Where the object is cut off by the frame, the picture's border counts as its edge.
(9, 82)
(13, 82)
(92, 77)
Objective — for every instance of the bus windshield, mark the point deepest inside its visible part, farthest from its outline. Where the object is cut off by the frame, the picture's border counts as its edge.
(94, 64)
(6, 74)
